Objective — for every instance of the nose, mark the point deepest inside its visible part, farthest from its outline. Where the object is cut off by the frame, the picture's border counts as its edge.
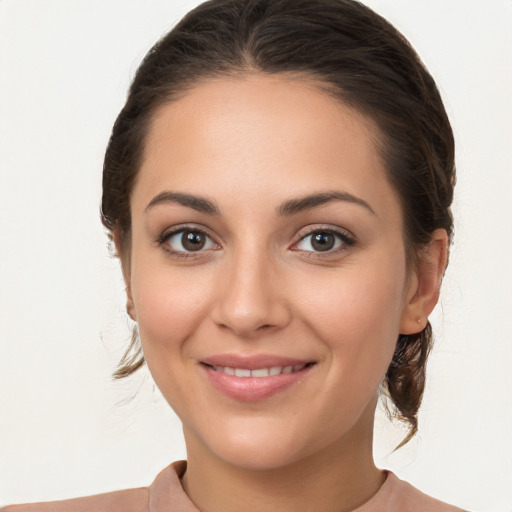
(251, 299)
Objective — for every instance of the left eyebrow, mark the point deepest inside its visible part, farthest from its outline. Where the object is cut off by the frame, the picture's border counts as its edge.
(301, 204)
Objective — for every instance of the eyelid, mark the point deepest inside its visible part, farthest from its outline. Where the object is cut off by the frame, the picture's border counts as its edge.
(175, 230)
(346, 237)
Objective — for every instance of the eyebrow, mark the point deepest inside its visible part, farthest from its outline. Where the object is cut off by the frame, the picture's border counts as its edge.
(198, 203)
(301, 204)
(290, 207)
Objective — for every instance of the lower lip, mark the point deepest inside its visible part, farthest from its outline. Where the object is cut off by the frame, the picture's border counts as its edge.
(252, 389)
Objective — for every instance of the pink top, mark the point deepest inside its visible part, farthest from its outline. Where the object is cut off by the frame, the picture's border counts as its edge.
(394, 496)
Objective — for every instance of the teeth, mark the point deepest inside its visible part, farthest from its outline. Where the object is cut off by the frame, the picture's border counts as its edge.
(263, 372)
(260, 372)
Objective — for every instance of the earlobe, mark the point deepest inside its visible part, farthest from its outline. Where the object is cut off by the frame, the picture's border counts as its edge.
(130, 306)
(123, 253)
(425, 284)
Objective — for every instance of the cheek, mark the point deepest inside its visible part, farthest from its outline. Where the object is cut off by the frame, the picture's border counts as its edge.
(357, 313)
(169, 305)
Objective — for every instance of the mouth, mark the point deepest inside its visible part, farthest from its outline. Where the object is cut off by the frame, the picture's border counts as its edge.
(272, 371)
(257, 378)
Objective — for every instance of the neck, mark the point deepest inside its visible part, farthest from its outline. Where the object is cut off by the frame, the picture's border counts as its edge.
(340, 478)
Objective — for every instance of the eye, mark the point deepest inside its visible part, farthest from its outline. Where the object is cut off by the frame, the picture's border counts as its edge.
(323, 241)
(189, 240)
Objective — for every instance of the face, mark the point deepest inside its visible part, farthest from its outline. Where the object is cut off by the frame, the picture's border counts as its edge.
(267, 270)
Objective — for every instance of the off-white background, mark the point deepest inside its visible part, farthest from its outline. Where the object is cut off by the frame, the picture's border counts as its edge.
(64, 69)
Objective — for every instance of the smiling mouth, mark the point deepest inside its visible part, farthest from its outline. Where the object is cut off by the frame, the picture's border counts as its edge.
(259, 372)
(255, 377)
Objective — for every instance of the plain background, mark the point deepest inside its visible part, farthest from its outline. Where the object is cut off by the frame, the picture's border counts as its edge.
(65, 428)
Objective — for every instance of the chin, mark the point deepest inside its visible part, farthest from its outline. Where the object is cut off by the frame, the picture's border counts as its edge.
(262, 444)
(260, 457)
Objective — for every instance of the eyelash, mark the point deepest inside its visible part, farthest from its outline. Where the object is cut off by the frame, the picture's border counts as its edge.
(166, 236)
(344, 241)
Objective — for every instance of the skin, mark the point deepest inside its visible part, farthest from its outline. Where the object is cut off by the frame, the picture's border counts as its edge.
(249, 145)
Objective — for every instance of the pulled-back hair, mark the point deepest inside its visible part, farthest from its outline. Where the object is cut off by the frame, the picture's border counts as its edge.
(357, 57)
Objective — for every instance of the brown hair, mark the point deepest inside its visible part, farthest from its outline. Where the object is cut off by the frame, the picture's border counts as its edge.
(360, 59)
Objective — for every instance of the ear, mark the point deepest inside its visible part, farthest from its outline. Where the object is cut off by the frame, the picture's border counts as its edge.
(122, 245)
(425, 283)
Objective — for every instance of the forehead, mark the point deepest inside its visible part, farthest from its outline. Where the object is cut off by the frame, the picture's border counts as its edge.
(262, 134)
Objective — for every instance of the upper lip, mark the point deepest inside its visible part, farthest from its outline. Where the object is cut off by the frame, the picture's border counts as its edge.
(253, 362)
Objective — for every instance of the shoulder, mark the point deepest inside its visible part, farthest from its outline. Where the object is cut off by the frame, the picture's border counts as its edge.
(164, 490)
(399, 495)
(130, 500)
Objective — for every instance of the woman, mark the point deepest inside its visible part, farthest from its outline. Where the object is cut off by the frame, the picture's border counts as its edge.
(278, 190)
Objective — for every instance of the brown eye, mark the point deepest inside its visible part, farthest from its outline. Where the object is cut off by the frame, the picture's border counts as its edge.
(193, 240)
(323, 241)
(189, 240)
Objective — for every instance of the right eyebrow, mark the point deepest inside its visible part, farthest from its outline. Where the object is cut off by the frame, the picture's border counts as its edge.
(198, 203)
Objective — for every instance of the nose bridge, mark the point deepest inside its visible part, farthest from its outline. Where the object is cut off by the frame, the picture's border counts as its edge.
(249, 298)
